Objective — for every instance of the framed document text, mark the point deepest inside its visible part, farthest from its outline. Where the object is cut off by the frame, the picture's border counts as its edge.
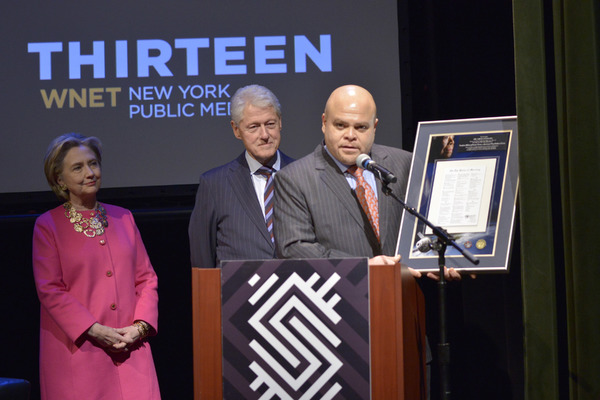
(464, 178)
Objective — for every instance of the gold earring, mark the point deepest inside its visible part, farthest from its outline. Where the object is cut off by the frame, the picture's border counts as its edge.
(63, 188)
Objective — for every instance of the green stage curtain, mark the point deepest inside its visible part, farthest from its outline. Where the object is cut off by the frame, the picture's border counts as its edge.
(557, 56)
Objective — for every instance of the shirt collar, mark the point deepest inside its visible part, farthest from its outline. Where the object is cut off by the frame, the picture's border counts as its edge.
(255, 165)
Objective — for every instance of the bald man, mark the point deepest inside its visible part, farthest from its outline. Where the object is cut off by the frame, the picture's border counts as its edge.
(317, 211)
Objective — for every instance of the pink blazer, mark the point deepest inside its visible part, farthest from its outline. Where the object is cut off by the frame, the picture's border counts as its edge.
(80, 280)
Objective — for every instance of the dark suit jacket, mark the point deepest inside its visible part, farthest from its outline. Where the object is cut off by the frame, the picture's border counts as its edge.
(227, 222)
(317, 214)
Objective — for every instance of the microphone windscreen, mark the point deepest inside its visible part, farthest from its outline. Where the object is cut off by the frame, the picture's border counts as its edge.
(361, 160)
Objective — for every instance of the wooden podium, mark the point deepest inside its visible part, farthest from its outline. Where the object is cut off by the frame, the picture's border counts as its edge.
(397, 334)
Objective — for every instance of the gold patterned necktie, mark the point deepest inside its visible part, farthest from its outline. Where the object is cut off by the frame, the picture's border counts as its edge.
(367, 199)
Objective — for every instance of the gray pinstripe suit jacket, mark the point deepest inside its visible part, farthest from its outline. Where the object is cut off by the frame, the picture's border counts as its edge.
(317, 214)
(227, 222)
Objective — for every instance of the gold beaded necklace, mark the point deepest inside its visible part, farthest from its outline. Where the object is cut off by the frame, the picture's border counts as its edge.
(90, 227)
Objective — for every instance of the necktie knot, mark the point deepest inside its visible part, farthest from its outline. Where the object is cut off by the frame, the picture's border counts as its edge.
(356, 172)
(265, 171)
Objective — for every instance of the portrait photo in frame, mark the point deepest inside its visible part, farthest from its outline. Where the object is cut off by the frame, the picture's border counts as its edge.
(464, 179)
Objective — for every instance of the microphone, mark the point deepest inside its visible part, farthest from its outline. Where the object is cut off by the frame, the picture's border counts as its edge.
(424, 243)
(365, 162)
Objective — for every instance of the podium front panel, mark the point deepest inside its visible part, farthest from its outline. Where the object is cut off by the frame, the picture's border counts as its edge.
(295, 329)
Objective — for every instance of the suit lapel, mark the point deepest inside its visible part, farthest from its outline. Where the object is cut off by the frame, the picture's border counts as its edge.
(384, 201)
(334, 179)
(285, 160)
(241, 184)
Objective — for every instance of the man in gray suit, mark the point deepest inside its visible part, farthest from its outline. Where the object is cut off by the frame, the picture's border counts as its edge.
(228, 221)
(317, 214)
(317, 211)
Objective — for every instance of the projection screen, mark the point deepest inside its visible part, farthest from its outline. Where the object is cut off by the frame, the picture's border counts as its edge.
(153, 79)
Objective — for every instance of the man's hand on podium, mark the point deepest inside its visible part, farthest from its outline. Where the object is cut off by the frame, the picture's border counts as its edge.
(385, 260)
(450, 274)
(389, 260)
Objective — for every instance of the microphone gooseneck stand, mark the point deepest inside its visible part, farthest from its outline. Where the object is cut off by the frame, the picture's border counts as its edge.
(439, 246)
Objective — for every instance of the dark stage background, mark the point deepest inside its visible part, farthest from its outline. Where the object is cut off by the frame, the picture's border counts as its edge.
(456, 61)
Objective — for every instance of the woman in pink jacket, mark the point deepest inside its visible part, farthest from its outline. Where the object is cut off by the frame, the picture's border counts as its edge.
(97, 288)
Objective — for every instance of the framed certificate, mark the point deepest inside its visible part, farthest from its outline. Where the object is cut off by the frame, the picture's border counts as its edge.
(464, 178)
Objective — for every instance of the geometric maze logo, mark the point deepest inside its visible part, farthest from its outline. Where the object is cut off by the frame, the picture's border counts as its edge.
(296, 330)
(296, 334)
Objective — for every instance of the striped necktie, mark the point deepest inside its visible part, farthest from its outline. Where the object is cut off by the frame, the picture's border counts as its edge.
(267, 172)
(366, 198)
